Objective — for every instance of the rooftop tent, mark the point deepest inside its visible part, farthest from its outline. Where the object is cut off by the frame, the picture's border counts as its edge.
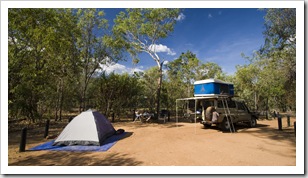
(88, 128)
(213, 87)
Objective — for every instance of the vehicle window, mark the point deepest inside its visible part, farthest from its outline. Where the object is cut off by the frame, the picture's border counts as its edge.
(208, 103)
(231, 104)
(219, 104)
(240, 106)
(247, 108)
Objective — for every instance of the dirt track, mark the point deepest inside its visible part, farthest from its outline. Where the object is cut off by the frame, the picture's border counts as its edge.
(182, 144)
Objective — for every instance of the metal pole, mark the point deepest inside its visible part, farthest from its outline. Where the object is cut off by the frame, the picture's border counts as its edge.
(176, 112)
(294, 128)
(134, 114)
(46, 128)
(168, 115)
(22, 145)
(279, 122)
(196, 115)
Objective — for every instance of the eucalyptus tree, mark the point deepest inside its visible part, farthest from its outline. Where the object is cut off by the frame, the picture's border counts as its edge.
(183, 70)
(261, 81)
(93, 47)
(210, 70)
(270, 77)
(187, 68)
(114, 92)
(149, 87)
(139, 31)
(38, 45)
(65, 61)
(246, 84)
(280, 47)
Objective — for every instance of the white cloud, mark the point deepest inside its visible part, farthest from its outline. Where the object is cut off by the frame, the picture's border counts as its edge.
(119, 68)
(180, 17)
(161, 49)
(210, 16)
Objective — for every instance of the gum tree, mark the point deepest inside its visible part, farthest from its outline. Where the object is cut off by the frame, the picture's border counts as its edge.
(139, 31)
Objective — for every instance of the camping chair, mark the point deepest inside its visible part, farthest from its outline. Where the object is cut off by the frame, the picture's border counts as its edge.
(138, 116)
(164, 115)
(147, 116)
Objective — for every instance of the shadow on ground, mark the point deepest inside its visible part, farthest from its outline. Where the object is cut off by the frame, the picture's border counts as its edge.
(66, 158)
(261, 131)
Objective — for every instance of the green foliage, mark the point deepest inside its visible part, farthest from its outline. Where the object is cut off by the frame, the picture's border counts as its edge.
(53, 55)
(55, 58)
(139, 30)
(183, 71)
(39, 52)
(210, 70)
(280, 27)
(94, 50)
(269, 80)
(114, 93)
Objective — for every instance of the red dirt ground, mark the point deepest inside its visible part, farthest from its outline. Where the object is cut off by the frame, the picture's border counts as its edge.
(168, 144)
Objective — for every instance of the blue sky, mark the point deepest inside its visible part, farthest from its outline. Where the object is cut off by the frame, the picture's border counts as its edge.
(217, 35)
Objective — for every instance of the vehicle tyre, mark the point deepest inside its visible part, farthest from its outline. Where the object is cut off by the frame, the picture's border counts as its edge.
(253, 122)
(206, 126)
(224, 125)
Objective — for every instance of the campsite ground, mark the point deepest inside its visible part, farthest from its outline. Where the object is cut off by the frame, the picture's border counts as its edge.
(167, 144)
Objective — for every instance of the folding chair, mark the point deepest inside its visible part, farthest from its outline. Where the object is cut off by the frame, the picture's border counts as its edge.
(138, 117)
(148, 116)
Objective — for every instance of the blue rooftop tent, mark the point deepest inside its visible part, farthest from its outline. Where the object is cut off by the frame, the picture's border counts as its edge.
(207, 89)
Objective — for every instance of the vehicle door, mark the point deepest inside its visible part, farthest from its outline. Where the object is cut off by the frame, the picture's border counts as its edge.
(223, 109)
(233, 110)
(242, 111)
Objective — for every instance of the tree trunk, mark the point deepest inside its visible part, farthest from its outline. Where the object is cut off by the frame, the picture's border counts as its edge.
(57, 103)
(61, 100)
(255, 101)
(82, 100)
(267, 108)
(159, 82)
(188, 91)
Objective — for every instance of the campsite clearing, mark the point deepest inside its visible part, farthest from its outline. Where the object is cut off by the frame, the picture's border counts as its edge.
(179, 144)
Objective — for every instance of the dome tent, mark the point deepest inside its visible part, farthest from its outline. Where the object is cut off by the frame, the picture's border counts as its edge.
(88, 128)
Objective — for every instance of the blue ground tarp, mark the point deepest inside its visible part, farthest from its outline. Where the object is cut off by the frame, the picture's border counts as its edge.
(108, 143)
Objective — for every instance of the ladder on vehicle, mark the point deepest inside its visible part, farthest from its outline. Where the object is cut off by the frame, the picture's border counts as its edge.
(228, 114)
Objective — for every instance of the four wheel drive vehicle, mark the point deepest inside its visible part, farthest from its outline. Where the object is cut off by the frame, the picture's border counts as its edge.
(230, 112)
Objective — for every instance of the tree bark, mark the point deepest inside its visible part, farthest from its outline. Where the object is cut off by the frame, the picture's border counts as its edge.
(159, 82)
(61, 100)
(267, 108)
(57, 103)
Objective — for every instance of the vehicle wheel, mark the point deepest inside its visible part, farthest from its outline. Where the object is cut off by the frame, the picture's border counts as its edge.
(206, 126)
(224, 125)
(253, 122)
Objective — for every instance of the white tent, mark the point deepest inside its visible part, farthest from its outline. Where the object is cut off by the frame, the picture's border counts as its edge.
(88, 128)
